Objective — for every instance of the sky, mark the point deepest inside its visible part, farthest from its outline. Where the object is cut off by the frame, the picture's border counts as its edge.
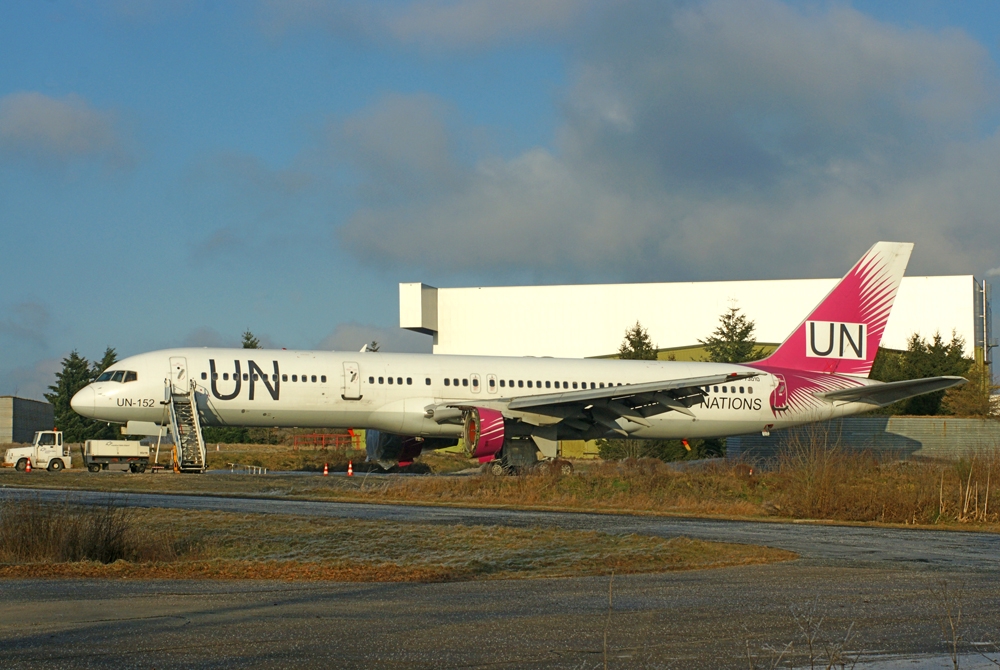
(174, 172)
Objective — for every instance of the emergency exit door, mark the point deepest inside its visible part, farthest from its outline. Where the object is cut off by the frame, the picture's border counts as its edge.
(352, 382)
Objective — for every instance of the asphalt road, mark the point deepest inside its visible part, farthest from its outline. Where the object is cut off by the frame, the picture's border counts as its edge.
(882, 585)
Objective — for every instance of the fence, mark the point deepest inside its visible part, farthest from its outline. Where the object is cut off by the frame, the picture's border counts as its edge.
(342, 441)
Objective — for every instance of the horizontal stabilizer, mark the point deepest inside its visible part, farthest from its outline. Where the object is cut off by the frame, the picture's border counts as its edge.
(882, 394)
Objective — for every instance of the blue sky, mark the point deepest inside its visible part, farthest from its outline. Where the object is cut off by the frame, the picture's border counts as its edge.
(173, 172)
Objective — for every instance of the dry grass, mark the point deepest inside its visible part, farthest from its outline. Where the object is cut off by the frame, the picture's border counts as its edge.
(255, 546)
(815, 478)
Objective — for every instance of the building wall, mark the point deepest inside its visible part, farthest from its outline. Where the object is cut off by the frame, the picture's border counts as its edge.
(21, 418)
(590, 320)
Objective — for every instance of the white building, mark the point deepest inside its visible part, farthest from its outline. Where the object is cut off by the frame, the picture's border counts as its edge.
(578, 321)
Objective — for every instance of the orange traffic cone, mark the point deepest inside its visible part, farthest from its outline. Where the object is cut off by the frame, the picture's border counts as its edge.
(27, 468)
(326, 469)
(350, 468)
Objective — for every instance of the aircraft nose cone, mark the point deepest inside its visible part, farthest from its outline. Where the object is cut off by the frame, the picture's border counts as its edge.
(83, 402)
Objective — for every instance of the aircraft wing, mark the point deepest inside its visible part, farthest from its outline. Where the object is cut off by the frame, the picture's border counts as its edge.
(886, 393)
(602, 407)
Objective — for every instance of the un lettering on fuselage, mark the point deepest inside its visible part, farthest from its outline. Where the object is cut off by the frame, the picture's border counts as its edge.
(254, 374)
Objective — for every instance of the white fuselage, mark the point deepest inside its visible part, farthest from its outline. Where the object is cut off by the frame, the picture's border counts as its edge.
(321, 389)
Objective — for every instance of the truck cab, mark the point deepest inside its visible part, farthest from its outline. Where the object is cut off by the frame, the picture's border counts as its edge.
(47, 451)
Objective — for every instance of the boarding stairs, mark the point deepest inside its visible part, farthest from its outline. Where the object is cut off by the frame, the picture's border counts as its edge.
(185, 426)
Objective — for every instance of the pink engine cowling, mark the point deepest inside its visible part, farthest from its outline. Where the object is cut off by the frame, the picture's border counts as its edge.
(484, 433)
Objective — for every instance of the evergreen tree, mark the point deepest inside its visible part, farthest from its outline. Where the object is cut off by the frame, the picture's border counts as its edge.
(249, 341)
(75, 374)
(921, 359)
(733, 341)
(374, 346)
(637, 346)
(972, 399)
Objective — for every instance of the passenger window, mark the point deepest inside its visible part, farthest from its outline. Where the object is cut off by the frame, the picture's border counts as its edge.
(520, 383)
(750, 390)
(475, 381)
(566, 385)
(548, 384)
(447, 382)
(215, 376)
(255, 377)
(204, 375)
(409, 381)
(390, 380)
(465, 382)
(574, 384)
(715, 389)
(399, 380)
(602, 384)
(493, 383)
(284, 378)
(455, 381)
(381, 380)
(427, 381)
(118, 376)
(371, 380)
(131, 376)
(529, 383)
(323, 379)
(295, 378)
(538, 384)
(511, 383)
(741, 389)
(246, 377)
(225, 376)
(503, 383)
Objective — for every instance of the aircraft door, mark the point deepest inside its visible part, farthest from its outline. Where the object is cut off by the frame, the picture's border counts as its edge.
(491, 383)
(352, 381)
(476, 386)
(179, 374)
(779, 396)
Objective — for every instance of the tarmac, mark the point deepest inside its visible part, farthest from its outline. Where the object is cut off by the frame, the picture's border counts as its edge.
(874, 595)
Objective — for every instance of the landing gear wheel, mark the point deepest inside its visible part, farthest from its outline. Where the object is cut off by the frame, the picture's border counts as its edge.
(22, 465)
(496, 468)
(564, 468)
(142, 467)
(55, 465)
(94, 468)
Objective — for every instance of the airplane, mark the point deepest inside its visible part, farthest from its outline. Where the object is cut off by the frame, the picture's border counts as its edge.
(513, 410)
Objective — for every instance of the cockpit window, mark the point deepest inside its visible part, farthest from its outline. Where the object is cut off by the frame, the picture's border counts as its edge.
(131, 376)
(105, 376)
(118, 376)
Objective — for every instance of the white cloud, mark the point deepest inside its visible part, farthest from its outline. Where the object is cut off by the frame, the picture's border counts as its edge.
(57, 130)
(718, 139)
(31, 381)
(428, 24)
(28, 322)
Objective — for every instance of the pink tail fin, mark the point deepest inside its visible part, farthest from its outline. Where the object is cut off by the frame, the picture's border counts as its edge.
(843, 333)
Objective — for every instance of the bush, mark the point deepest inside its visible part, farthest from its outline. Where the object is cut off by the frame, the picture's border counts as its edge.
(34, 531)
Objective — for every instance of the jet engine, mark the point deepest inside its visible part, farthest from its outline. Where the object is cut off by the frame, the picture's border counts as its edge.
(484, 433)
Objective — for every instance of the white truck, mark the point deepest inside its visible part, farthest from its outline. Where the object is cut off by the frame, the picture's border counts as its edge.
(115, 455)
(47, 451)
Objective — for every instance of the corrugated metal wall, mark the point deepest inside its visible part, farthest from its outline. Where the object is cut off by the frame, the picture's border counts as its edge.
(904, 436)
(20, 418)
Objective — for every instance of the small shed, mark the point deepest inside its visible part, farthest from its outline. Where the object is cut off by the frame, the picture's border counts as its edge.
(21, 417)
